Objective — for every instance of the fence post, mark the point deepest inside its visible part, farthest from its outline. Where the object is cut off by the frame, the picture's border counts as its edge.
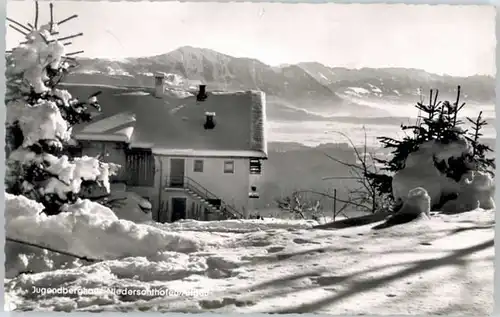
(334, 203)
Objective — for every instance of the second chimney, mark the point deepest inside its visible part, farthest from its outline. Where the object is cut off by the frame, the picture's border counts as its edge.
(202, 93)
(159, 85)
(209, 120)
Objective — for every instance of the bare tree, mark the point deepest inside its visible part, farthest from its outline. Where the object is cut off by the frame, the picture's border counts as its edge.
(300, 205)
(293, 204)
(365, 196)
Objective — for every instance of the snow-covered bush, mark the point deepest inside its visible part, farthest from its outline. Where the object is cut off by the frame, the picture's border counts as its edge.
(417, 203)
(442, 150)
(40, 115)
(420, 171)
(129, 206)
(477, 190)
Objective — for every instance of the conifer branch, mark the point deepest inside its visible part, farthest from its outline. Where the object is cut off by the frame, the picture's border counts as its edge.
(18, 24)
(36, 15)
(74, 53)
(67, 19)
(51, 6)
(18, 30)
(69, 37)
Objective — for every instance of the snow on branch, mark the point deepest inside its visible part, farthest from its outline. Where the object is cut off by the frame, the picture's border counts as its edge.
(64, 175)
(40, 117)
(42, 121)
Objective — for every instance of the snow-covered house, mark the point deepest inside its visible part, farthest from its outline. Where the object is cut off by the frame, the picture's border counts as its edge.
(192, 159)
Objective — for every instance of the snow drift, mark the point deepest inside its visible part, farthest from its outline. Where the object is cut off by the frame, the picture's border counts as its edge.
(88, 229)
(443, 265)
(97, 232)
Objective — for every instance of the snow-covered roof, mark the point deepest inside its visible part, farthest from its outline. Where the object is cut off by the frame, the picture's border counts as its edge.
(171, 123)
(118, 127)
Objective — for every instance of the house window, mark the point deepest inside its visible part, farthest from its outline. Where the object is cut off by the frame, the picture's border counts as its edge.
(140, 167)
(255, 167)
(198, 166)
(228, 167)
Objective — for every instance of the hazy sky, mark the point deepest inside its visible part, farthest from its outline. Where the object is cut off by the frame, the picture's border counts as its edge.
(456, 40)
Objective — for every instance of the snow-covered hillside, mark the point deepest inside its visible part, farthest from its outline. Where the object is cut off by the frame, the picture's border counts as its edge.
(443, 265)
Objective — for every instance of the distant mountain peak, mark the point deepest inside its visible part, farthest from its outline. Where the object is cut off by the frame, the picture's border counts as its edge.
(306, 84)
(194, 49)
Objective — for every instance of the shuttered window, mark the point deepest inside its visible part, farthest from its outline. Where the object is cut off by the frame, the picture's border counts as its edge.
(140, 167)
(255, 166)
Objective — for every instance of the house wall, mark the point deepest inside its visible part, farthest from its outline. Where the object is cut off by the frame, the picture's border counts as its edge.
(231, 188)
(194, 208)
(257, 181)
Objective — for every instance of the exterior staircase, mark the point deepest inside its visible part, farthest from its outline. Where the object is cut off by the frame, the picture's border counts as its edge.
(212, 202)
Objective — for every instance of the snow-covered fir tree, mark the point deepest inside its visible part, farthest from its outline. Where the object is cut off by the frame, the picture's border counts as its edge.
(40, 115)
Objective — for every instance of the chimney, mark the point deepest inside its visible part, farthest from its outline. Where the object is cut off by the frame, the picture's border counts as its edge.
(202, 93)
(159, 85)
(209, 120)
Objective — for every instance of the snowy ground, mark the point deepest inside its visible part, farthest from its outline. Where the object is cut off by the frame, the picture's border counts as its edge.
(438, 266)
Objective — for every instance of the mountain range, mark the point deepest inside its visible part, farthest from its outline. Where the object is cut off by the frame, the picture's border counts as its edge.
(305, 90)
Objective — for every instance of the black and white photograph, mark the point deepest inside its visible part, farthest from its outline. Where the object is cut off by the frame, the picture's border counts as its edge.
(239, 157)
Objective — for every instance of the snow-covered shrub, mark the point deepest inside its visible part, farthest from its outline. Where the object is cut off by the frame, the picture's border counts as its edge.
(452, 151)
(417, 203)
(477, 190)
(303, 204)
(420, 171)
(483, 186)
(129, 206)
(40, 116)
(416, 206)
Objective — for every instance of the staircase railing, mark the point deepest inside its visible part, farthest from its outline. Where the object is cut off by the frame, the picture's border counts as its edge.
(200, 190)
